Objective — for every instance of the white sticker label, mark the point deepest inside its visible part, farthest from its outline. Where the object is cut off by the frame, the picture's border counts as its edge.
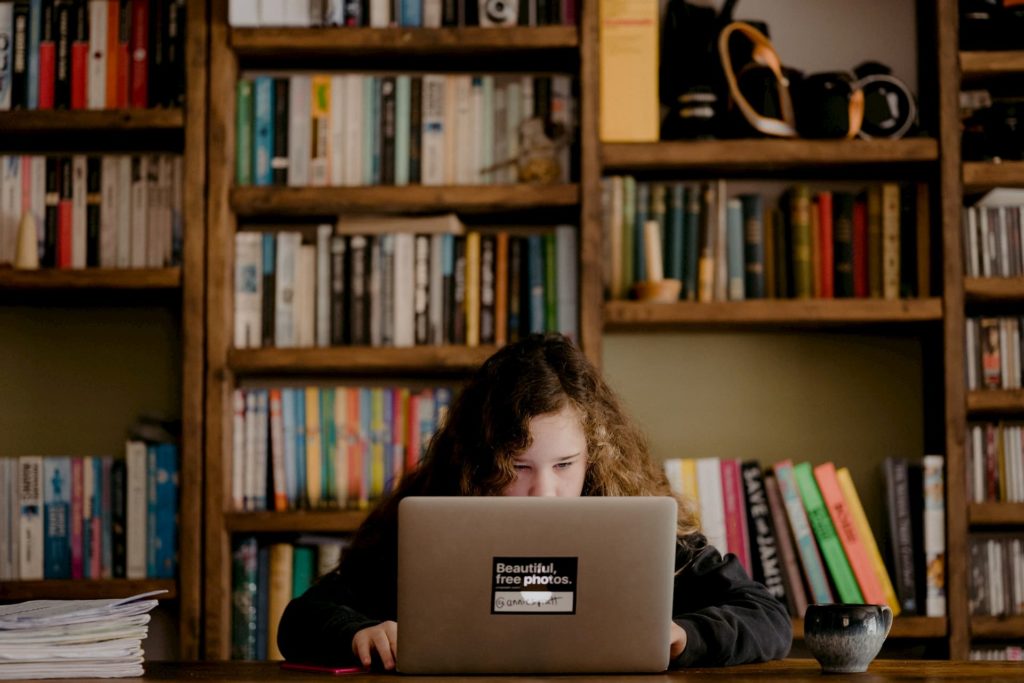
(534, 585)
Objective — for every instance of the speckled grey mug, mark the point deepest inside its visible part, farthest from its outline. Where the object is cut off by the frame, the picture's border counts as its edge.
(846, 638)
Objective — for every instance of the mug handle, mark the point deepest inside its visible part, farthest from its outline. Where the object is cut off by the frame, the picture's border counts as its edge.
(856, 111)
(764, 54)
(887, 618)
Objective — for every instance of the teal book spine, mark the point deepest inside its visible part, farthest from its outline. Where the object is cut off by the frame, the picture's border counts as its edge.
(263, 127)
(403, 115)
(814, 571)
(753, 245)
(328, 437)
(641, 209)
(301, 499)
(303, 569)
(831, 548)
(734, 249)
(243, 133)
(675, 249)
(371, 128)
(56, 508)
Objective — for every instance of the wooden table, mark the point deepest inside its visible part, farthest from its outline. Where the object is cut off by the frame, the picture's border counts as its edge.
(788, 670)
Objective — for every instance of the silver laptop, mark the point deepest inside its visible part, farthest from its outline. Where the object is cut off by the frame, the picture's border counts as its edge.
(535, 585)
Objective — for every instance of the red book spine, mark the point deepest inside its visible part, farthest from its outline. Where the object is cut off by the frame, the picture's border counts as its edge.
(860, 249)
(47, 66)
(79, 74)
(76, 500)
(138, 87)
(825, 242)
(412, 449)
(735, 513)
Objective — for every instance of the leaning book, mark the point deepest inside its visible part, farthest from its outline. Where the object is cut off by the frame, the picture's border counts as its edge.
(74, 638)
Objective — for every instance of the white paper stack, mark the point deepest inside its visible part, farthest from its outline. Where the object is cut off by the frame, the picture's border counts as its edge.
(74, 638)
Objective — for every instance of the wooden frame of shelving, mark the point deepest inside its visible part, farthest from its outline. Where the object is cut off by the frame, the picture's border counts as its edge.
(230, 51)
(56, 132)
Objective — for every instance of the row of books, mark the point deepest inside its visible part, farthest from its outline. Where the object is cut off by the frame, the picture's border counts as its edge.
(1009, 653)
(398, 129)
(820, 244)
(995, 462)
(92, 54)
(802, 531)
(993, 242)
(112, 211)
(90, 517)
(401, 288)
(264, 578)
(405, 13)
(993, 355)
(997, 575)
(313, 447)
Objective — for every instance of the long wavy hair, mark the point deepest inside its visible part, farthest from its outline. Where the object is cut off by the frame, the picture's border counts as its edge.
(488, 425)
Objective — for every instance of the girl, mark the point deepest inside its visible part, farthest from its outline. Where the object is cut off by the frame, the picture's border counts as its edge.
(535, 420)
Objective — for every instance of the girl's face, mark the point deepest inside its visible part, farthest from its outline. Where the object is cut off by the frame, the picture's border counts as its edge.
(556, 461)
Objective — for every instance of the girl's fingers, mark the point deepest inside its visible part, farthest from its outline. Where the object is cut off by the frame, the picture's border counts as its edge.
(361, 645)
(383, 645)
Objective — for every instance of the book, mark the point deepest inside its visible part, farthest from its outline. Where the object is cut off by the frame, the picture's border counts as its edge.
(447, 224)
(628, 76)
(763, 543)
(900, 544)
(796, 595)
(818, 589)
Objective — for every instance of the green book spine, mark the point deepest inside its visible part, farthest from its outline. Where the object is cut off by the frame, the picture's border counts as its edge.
(835, 557)
(328, 437)
(803, 263)
(370, 129)
(303, 569)
(403, 114)
(628, 244)
(550, 284)
(243, 133)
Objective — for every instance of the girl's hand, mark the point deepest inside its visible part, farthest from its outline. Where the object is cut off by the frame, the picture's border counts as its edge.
(677, 643)
(382, 638)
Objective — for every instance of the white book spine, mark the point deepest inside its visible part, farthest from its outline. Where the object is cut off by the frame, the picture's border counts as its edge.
(108, 212)
(10, 207)
(435, 289)
(6, 59)
(353, 145)
(567, 281)
(30, 493)
(475, 156)
(96, 82)
(284, 281)
(154, 226)
(432, 140)
(125, 216)
(404, 289)
(271, 12)
(135, 510)
(465, 106)
(244, 13)
(139, 211)
(380, 13)
(712, 507)
(323, 284)
(238, 450)
(79, 171)
(296, 14)
(432, 13)
(300, 96)
(305, 297)
(248, 290)
(337, 160)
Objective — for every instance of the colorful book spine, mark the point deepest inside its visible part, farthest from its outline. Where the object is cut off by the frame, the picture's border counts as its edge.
(796, 594)
(814, 571)
(861, 520)
(935, 536)
(763, 544)
(737, 539)
(56, 510)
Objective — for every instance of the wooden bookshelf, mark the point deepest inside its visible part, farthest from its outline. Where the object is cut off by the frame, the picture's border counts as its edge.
(360, 360)
(634, 315)
(23, 122)
(995, 401)
(997, 627)
(319, 521)
(765, 154)
(902, 627)
(982, 64)
(994, 289)
(995, 514)
(91, 278)
(85, 589)
(403, 42)
(984, 175)
(326, 201)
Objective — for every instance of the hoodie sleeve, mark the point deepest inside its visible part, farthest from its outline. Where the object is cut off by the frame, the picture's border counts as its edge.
(728, 617)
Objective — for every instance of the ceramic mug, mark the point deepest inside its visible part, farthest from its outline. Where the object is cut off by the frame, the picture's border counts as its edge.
(846, 638)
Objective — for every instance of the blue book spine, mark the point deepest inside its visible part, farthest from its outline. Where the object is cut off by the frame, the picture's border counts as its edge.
(56, 508)
(35, 32)
(107, 524)
(675, 248)
(366, 435)
(643, 201)
(300, 448)
(263, 123)
(535, 281)
(288, 432)
(151, 510)
(403, 113)
(167, 510)
(753, 250)
(328, 479)
(411, 13)
(389, 446)
(734, 249)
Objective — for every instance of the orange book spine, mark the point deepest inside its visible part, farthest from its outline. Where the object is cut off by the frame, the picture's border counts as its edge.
(355, 450)
(501, 290)
(825, 245)
(848, 534)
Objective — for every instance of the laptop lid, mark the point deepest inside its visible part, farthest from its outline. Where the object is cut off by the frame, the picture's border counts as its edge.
(535, 585)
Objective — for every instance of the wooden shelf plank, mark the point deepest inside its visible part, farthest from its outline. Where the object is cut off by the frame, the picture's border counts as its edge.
(996, 514)
(975, 64)
(91, 278)
(1004, 289)
(296, 520)
(52, 120)
(628, 315)
(360, 359)
(311, 201)
(306, 42)
(982, 175)
(902, 627)
(997, 627)
(78, 589)
(758, 154)
(985, 401)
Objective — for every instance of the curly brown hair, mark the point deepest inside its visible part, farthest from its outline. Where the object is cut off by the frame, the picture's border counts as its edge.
(473, 452)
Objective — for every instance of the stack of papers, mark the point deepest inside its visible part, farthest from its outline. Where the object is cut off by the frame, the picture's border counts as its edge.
(74, 638)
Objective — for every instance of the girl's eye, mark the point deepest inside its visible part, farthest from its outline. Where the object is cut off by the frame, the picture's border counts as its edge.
(563, 465)
(521, 468)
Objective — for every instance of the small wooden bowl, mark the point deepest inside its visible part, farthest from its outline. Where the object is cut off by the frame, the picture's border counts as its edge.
(661, 291)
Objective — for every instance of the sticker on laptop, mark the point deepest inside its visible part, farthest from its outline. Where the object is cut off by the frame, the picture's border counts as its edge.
(533, 585)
